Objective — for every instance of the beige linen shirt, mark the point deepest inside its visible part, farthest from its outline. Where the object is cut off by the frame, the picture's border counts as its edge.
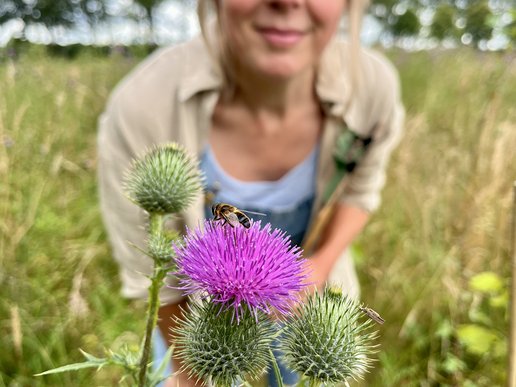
(171, 96)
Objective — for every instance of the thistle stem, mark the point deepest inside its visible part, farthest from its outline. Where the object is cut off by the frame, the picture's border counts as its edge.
(155, 224)
(159, 272)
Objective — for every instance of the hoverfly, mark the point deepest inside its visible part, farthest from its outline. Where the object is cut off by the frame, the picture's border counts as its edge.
(231, 215)
(373, 315)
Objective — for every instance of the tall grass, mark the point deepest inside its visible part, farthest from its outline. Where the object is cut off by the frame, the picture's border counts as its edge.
(445, 216)
(58, 283)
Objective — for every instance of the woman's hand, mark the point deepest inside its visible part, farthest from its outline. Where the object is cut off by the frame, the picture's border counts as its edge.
(344, 226)
(318, 270)
(181, 380)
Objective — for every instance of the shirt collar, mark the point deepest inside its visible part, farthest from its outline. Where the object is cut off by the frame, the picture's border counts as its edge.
(202, 73)
(332, 84)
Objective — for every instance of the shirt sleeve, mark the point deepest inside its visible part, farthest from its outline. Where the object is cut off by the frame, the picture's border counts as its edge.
(367, 180)
(124, 221)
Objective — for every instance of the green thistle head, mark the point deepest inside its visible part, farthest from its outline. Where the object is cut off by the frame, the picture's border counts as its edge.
(213, 347)
(329, 340)
(163, 181)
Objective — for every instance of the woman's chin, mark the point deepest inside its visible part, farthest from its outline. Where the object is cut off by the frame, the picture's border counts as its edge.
(281, 70)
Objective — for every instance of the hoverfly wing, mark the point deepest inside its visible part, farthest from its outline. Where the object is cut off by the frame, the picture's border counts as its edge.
(232, 219)
(254, 213)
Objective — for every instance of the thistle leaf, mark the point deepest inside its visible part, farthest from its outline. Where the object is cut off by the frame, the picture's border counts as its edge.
(99, 363)
(90, 357)
(277, 372)
(157, 377)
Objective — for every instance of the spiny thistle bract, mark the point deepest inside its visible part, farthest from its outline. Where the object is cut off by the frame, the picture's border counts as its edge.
(163, 181)
(160, 247)
(329, 340)
(256, 267)
(214, 348)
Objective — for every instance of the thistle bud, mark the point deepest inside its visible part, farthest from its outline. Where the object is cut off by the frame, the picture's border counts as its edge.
(215, 348)
(329, 341)
(164, 181)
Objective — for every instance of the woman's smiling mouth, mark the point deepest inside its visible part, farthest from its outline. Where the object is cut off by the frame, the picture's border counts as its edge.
(281, 38)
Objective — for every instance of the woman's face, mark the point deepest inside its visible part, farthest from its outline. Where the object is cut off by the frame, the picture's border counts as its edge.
(278, 38)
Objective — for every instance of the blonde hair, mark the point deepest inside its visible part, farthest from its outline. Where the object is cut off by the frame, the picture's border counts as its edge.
(355, 12)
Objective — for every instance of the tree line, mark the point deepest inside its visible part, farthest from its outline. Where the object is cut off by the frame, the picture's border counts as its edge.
(466, 21)
(470, 22)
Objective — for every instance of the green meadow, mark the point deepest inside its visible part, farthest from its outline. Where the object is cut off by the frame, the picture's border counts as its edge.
(444, 220)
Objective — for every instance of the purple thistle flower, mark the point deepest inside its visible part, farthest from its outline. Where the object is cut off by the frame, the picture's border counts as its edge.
(236, 266)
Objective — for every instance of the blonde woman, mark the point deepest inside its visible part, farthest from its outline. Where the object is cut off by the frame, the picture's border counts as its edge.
(261, 98)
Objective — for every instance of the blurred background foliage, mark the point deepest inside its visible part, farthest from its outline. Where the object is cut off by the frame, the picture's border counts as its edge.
(438, 270)
(470, 22)
(452, 22)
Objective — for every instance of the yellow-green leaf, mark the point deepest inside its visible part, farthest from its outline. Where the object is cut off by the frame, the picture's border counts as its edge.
(500, 301)
(486, 282)
(476, 339)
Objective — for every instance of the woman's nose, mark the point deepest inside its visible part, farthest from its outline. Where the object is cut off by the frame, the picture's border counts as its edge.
(283, 4)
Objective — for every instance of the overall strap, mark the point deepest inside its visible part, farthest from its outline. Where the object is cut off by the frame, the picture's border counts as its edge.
(349, 150)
